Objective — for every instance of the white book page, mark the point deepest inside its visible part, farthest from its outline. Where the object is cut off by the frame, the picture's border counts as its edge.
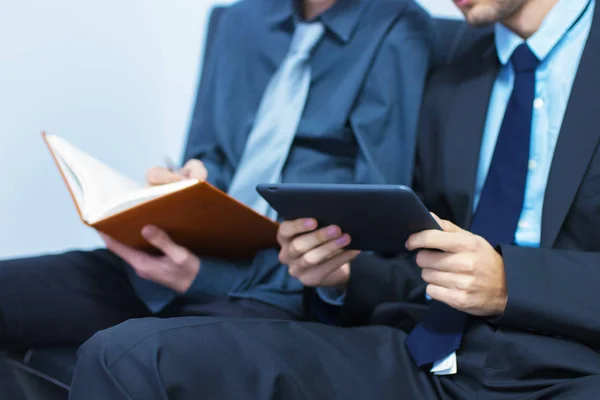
(99, 183)
(74, 183)
(135, 198)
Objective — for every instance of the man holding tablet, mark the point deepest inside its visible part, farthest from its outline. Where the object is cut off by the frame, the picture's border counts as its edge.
(508, 159)
(508, 309)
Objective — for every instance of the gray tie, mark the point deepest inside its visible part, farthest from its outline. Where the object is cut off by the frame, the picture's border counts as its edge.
(277, 120)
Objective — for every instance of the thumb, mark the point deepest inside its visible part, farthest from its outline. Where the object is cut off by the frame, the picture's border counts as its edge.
(195, 169)
(446, 225)
(161, 176)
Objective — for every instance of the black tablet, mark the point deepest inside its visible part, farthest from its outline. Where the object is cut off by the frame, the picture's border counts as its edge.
(379, 218)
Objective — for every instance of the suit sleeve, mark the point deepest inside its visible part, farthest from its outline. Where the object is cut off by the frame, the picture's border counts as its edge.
(553, 292)
(202, 142)
(375, 281)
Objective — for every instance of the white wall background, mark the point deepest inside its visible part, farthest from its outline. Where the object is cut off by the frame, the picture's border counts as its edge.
(116, 77)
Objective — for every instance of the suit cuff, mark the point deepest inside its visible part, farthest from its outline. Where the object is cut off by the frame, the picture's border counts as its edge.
(216, 276)
(332, 296)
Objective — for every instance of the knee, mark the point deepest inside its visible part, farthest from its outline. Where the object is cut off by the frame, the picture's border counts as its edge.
(107, 346)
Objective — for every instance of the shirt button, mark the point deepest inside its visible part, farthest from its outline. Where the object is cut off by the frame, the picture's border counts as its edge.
(532, 165)
(538, 103)
(523, 224)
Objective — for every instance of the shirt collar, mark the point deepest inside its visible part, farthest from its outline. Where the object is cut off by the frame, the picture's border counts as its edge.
(341, 19)
(554, 27)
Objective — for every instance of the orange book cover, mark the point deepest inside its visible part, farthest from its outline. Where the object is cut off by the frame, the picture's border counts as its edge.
(199, 217)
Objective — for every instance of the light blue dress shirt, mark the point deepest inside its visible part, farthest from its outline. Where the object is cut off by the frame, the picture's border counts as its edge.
(559, 44)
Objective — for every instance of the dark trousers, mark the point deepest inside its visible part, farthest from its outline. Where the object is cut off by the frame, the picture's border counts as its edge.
(197, 358)
(66, 298)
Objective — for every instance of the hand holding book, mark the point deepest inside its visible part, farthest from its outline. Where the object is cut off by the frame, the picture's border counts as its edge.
(193, 169)
(176, 268)
(194, 214)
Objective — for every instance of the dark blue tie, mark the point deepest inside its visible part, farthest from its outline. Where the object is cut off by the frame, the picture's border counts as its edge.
(498, 212)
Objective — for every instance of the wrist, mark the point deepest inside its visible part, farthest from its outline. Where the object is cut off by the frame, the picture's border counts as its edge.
(185, 282)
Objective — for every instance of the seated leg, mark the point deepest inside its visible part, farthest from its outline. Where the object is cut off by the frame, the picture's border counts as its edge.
(217, 358)
(63, 299)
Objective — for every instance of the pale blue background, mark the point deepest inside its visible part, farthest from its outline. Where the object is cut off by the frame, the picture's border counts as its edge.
(115, 77)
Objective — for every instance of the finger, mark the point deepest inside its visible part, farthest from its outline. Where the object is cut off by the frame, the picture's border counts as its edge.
(445, 279)
(451, 297)
(195, 169)
(338, 278)
(319, 254)
(445, 241)
(105, 238)
(443, 261)
(133, 257)
(313, 242)
(446, 225)
(288, 230)
(161, 176)
(159, 239)
(436, 218)
(326, 274)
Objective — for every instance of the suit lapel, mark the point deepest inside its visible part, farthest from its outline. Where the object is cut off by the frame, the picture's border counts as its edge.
(465, 131)
(577, 140)
(275, 46)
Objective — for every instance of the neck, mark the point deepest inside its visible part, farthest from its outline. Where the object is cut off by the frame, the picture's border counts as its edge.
(529, 17)
(312, 8)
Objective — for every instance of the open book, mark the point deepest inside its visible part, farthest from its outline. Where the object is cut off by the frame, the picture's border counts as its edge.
(195, 214)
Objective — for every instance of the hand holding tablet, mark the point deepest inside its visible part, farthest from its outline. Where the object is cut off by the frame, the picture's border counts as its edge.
(379, 218)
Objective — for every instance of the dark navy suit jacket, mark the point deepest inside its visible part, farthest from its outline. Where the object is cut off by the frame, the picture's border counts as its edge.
(359, 124)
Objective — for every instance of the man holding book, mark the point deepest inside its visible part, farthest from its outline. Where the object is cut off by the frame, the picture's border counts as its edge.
(294, 91)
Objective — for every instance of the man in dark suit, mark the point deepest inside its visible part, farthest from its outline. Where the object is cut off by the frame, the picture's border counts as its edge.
(507, 310)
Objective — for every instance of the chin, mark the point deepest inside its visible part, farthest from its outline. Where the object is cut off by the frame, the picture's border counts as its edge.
(479, 16)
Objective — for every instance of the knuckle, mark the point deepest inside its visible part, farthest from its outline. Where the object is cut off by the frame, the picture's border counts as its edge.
(294, 247)
(308, 260)
(283, 258)
(421, 258)
(143, 273)
(151, 174)
(469, 265)
(309, 281)
(282, 234)
(471, 285)
(463, 285)
(473, 242)
(462, 301)
(181, 258)
(294, 271)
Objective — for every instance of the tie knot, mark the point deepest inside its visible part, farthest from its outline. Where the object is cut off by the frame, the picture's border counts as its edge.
(523, 59)
(306, 37)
